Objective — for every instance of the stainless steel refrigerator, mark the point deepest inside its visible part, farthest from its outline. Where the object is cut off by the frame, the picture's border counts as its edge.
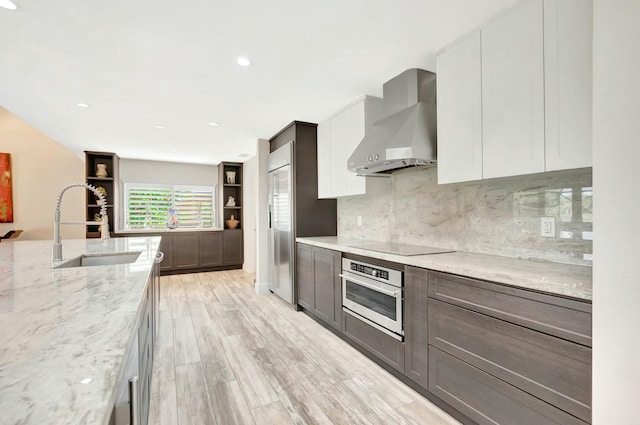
(281, 234)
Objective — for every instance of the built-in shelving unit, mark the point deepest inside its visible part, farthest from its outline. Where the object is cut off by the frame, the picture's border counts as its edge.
(230, 180)
(231, 186)
(110, 185)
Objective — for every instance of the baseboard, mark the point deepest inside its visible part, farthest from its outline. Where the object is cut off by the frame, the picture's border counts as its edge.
(262, 287)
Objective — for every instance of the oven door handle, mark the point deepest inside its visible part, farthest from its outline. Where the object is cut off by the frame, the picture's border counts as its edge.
(367, 285)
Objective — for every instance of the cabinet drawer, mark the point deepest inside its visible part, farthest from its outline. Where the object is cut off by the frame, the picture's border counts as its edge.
(378, 343)
(564, 318)
(486, 399)
(552, 369)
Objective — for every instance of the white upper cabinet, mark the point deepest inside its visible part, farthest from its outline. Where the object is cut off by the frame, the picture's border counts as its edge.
(460, 112)
(337, 139)
(513, 92)
(568, 28)
(533, 82)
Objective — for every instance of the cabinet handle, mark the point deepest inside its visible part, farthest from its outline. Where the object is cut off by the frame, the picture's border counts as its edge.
(366, 285)
(134, 401)
(159, 257)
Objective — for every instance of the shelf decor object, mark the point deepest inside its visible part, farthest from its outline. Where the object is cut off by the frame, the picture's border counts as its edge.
(101, 170)
(6, 196)
(231, 177)
(232, 223)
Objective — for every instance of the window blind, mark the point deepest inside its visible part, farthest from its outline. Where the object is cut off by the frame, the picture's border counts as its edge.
(147, 205)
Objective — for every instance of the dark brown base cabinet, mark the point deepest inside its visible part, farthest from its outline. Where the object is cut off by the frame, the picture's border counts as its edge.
(487, 399)
(233, 248)
(197, 251)
(416, 354)
(384, 347)
(495, 353)
(319, 286)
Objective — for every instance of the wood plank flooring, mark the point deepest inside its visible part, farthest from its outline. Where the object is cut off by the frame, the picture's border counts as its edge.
(226, 356)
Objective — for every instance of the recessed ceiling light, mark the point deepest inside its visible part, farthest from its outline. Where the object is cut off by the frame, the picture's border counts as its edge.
(243, 155)
(243, 61)
(82, 105)
(214, 124)
(8, 4)
(158, 126)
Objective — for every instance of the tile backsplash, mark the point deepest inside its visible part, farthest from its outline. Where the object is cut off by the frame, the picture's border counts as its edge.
(497, 216)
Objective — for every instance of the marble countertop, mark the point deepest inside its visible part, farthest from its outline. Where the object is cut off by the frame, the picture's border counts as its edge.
(555, 278)
(65, 332)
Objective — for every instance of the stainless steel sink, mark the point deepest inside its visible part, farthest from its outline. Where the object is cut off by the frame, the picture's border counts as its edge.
(109, 259)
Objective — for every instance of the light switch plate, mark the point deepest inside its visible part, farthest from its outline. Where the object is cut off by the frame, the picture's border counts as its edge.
(548, 227)
(359, 220)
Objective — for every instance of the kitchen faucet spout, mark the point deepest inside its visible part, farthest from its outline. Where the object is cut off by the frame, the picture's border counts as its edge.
(57, 239)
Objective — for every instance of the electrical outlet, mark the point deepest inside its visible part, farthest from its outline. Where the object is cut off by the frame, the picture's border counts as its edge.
(359, 220)
(548, 227)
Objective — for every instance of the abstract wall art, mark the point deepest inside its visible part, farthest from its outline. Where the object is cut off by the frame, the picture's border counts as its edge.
(6, 197)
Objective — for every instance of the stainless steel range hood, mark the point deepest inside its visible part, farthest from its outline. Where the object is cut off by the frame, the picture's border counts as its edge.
(406, 136)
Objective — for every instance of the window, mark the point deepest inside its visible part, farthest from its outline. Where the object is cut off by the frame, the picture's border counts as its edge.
(147, 205)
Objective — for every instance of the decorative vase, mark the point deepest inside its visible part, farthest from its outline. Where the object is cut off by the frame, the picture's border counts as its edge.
(172, 218)
(232, 223)
(101, 170)
(231, 177)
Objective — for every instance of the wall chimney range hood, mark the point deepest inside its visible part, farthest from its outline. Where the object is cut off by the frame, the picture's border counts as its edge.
(406, 136)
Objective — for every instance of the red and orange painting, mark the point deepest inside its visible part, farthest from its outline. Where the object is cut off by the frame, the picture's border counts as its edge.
(6, 198)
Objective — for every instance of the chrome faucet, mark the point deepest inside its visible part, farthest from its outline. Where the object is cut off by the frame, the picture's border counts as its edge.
(104, 225)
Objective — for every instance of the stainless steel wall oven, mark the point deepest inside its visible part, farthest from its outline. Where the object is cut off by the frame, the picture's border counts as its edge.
(374, 294)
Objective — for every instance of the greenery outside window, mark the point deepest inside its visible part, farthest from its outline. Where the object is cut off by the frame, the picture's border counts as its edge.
(147, 205)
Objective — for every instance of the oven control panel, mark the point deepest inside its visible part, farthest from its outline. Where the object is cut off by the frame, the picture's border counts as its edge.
(371, 271)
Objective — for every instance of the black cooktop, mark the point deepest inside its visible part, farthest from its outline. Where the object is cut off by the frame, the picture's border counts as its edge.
(398, 248)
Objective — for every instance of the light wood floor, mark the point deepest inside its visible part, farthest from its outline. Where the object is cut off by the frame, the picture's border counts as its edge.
(225, 355)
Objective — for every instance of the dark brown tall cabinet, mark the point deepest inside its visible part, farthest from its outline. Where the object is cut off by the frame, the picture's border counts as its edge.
(109, 183)
(312, 216)
(230, 180)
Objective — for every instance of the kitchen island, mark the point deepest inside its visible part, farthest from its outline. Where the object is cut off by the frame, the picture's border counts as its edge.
(66, 332)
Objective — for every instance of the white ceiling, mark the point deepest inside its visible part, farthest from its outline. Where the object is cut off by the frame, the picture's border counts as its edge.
(140, 63)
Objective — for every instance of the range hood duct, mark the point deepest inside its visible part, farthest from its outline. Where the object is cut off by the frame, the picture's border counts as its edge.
(406, 136)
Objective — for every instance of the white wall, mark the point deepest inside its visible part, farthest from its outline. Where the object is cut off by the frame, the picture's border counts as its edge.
(159, 172)
(41, 168)
(250, 212)
(262, 235)
(616, 175)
